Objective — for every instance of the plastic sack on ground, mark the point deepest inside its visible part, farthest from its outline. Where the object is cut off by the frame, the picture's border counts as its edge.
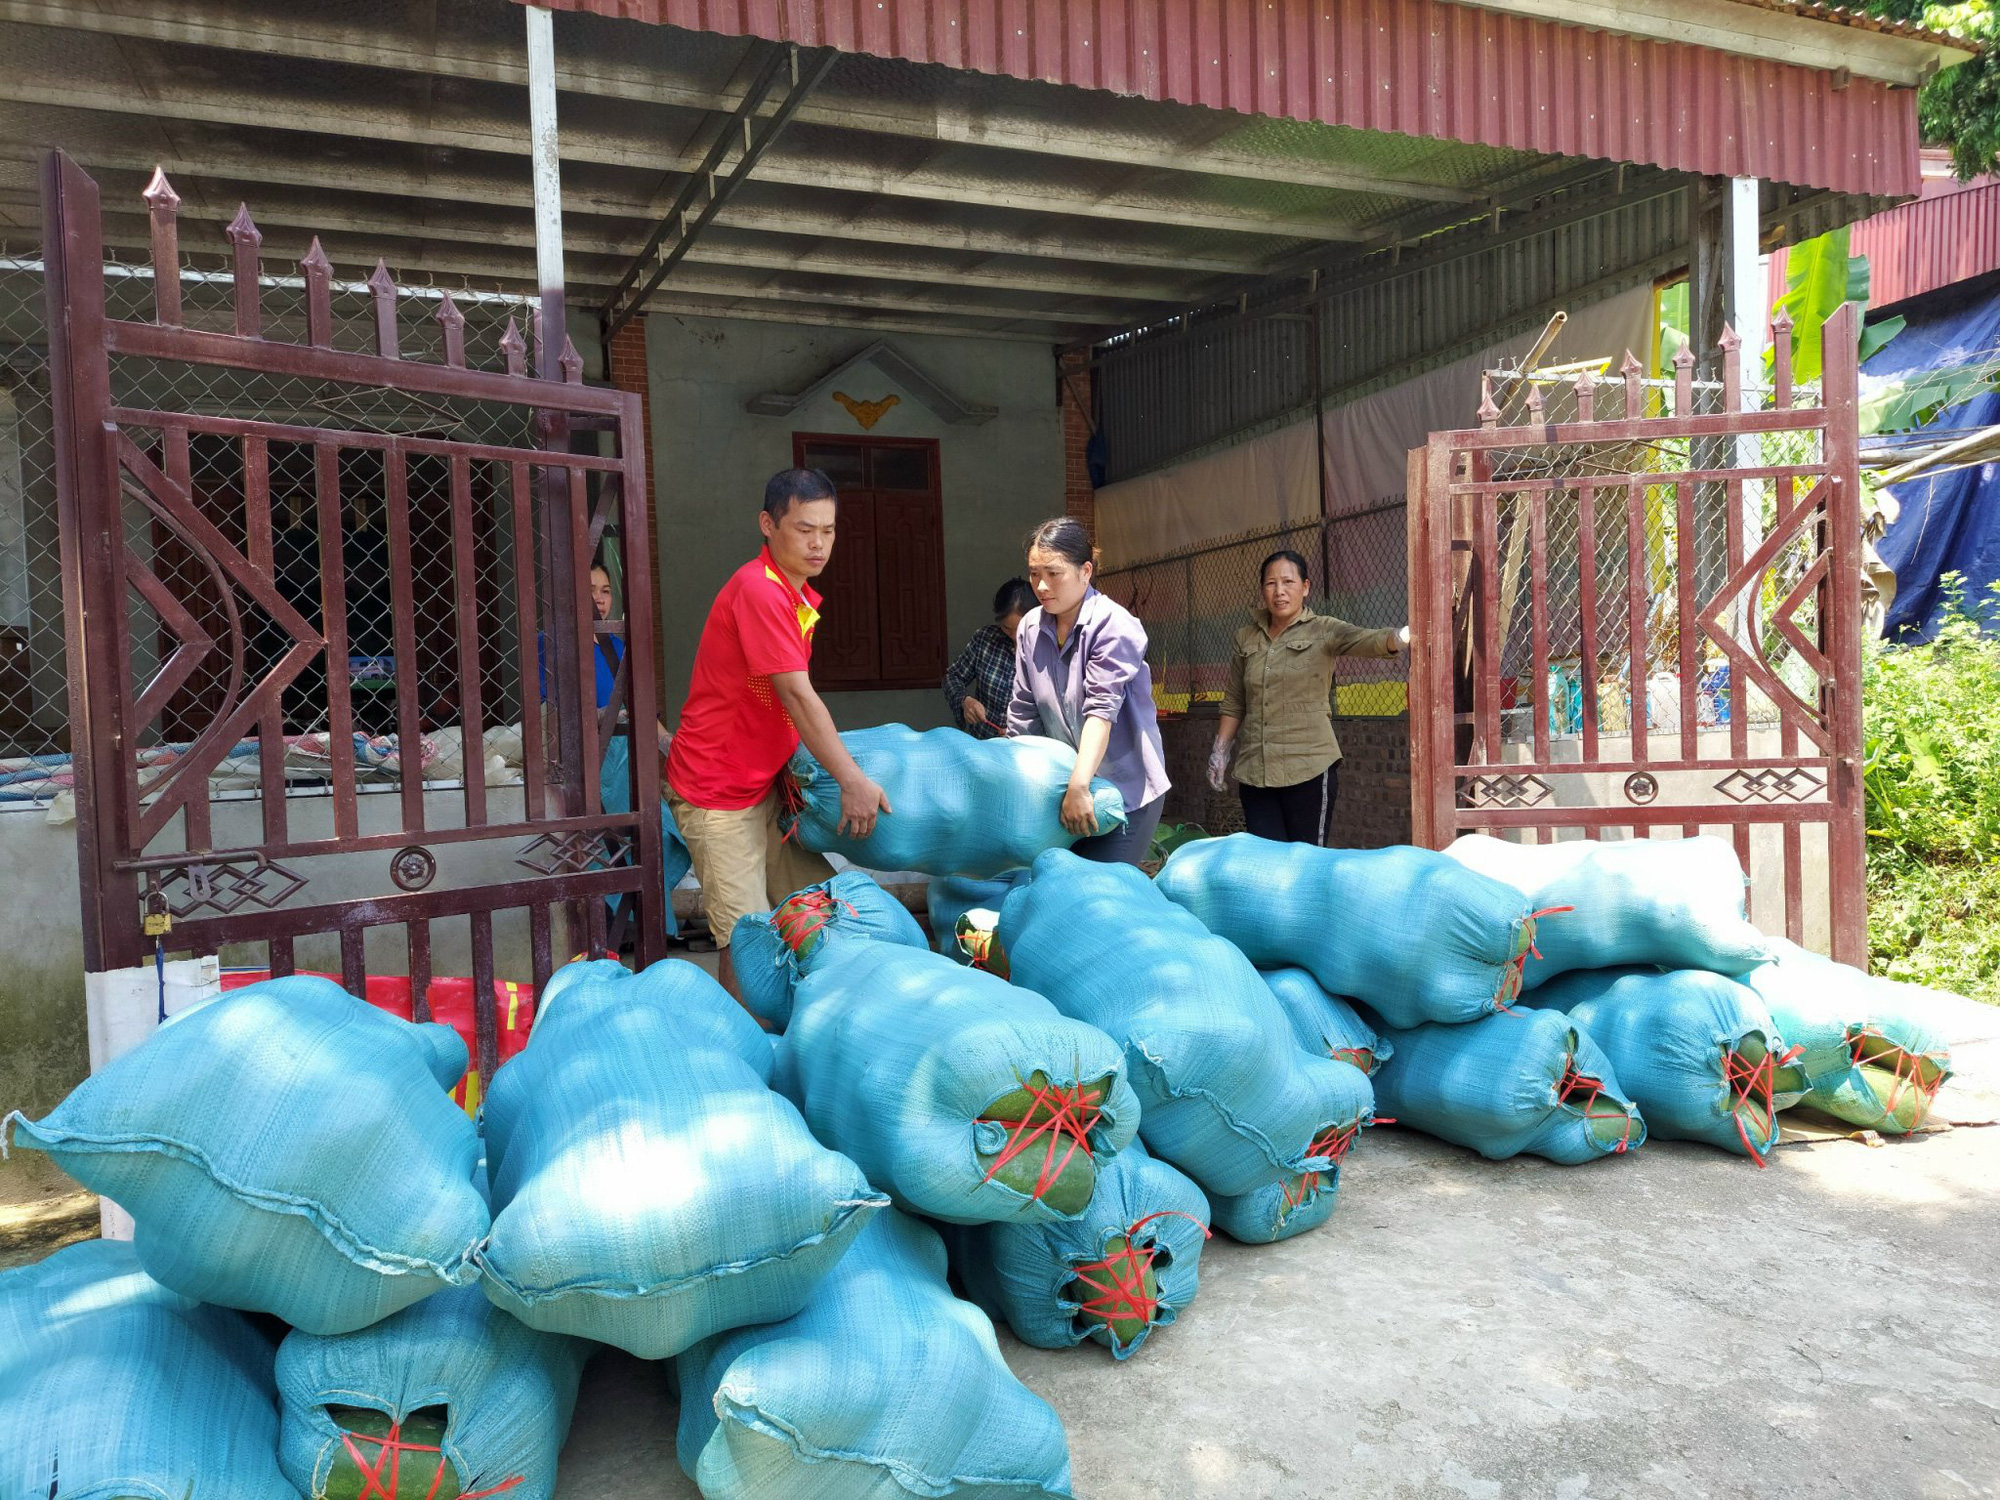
(1326, 1024)
(1413, 935)
(115, 1386)
(1677, 903)
(1128, 1265)
(287, 1149)
(1527, 1082)
(648, 1187)
(964, 914)
(885, 1387)
(1225, 1092)
(962, 806)
(773, 950)
(449, 1397)
(1696, 1051)
(1868, 1055)
(959, 1095)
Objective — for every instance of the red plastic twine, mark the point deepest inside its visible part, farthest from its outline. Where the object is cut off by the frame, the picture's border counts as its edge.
(1750, 1084)
(1332, 1143)
(390, 1450)
(978, 947)
(1907, 1072)
(1518, 964)
(804, 915)
(794, 804)
(1072, 1116)
(1123, 1295)
(1573, 1083)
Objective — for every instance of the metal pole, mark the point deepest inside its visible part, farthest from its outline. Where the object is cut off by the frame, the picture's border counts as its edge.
(1743, 294)
(547, 159)
(560, 578)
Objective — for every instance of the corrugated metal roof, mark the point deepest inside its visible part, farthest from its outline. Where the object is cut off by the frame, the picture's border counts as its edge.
(1841, 15)
(1950, 233)
(1413, 67)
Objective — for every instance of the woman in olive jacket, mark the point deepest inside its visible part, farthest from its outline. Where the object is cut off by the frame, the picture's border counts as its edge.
(1277, 714)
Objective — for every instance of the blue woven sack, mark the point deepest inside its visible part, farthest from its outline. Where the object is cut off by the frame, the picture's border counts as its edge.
(1696, 1051)
(960, 937)
(1124, 1267)
(285, 1149)
(773, 950)
(648, 1187)
(885, 1387)
(1526, 1082)
(1414, 936)
(1677, 903)
(1225, 1092)
(1869, 1054)
(507, 1392)
(1326, 1024)
(959, 1095)
(614, 786)
(115, 1386)
(962, 806)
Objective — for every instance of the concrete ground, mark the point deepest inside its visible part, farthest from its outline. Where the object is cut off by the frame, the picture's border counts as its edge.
(1672, 1324)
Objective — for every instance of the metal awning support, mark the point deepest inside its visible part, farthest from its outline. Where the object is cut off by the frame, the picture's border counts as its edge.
(749, 134)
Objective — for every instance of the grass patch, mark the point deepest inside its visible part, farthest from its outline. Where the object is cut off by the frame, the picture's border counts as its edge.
(1933, 782)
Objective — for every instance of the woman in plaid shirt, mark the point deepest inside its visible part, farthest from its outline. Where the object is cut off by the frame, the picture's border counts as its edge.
(979, 683)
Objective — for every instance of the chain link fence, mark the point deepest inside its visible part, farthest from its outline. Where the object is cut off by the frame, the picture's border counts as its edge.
(1673, 546)
(303, 477)
(1193, 602)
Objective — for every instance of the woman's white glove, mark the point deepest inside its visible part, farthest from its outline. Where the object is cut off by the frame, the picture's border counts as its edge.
(1218, 764)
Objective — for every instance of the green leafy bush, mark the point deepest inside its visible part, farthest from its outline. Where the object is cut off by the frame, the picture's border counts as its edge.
(1932, 774)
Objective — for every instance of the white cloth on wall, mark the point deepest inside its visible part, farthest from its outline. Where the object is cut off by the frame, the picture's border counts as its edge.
(1273, 480)
(1267, 482)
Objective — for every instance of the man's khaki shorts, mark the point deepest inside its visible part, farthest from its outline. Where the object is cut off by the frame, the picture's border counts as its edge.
(742, 863)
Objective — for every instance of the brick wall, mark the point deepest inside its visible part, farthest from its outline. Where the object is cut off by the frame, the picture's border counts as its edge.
(628, 373)
(1374, 804)
(1079, 499)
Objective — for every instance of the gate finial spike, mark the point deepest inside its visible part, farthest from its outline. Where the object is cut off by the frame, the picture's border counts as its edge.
(243, 229)
(1586, 397)
(383, 286)
(1536, 406)
(1489, 412)
(570, 363)
(244, 239)
(452, 321)
(163, 205)
(319, 297)
(159, 194)
(514, 347)
(1730, 339)
(1781, 321)
(1635, 396)
(1631, 366)
(1684, 360)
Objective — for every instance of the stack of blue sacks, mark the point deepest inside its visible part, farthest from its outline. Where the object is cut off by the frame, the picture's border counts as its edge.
(1053, 1109)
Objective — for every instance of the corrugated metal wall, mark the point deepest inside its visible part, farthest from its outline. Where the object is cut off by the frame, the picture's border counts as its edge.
(1174, 391)
(1951, 233)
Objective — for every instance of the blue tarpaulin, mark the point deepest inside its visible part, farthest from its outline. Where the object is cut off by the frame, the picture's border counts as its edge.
(1950, 523)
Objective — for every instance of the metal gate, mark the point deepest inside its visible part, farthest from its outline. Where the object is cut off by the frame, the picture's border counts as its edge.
(333, 655)
(1636, 610)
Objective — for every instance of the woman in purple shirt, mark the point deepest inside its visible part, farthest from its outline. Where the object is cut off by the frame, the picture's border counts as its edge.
(1080, 676)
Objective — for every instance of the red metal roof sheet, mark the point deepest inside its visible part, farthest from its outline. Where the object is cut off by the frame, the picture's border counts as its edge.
(1950, 233)
(1414, 67)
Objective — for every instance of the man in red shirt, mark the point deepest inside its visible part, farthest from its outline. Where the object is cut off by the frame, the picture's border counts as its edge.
(749, 704)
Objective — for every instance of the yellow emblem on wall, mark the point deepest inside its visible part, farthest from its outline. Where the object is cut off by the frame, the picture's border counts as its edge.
(867, 413)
